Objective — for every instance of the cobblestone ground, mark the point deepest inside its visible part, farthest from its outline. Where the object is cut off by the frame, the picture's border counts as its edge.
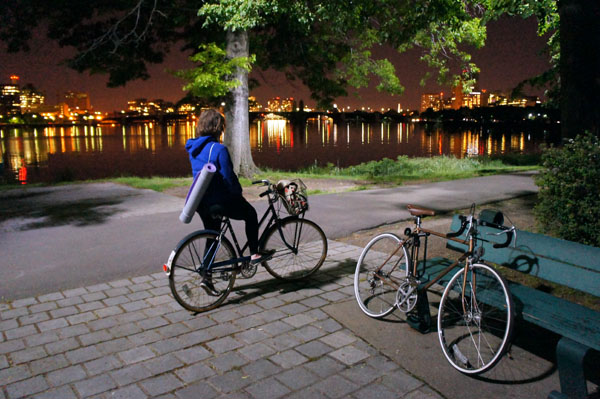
(130, 339)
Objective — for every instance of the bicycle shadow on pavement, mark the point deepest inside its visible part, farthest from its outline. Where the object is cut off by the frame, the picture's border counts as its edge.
(329, 273)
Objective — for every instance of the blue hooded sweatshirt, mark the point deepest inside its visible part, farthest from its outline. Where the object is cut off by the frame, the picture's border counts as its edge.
(224, 184)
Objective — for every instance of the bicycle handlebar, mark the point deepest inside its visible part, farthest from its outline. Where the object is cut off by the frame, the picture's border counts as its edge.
(509, 231)
(463, 226)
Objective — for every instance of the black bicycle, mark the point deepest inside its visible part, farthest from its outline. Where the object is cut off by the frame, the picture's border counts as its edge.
(299, 248)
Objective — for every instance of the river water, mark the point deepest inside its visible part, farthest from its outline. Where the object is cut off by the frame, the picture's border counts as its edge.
(34, 154)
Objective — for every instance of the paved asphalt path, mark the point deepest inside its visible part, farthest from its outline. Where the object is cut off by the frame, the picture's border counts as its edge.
(65, 237)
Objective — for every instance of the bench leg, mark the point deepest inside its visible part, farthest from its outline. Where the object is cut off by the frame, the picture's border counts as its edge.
(570, 356)
(420, 318)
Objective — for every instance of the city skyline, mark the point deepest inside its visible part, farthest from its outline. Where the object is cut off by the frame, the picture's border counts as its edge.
(506, 60)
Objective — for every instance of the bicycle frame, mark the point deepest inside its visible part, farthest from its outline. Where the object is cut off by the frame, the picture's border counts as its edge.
(273, 219)
(415, 243)
(421, 232)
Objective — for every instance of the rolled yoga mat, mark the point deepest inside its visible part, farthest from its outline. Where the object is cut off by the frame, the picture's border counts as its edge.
(197, 190)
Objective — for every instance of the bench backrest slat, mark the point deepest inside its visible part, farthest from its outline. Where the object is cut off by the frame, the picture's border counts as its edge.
(563, 262)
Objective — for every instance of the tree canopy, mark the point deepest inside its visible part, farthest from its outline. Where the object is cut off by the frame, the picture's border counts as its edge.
(327, 45)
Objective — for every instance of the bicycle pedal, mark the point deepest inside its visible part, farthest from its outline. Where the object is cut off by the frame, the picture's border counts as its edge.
(248, 270)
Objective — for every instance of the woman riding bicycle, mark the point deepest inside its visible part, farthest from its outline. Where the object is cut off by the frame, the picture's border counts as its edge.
(224, 194)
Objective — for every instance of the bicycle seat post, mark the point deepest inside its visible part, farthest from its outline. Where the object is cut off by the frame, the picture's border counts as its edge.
(418, 222)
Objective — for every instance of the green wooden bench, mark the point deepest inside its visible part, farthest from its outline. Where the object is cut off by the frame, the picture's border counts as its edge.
(562, 262)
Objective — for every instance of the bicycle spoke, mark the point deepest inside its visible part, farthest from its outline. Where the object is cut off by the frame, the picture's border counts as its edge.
(380, 270)
(475, 334)
(187, 272)
(306, 255)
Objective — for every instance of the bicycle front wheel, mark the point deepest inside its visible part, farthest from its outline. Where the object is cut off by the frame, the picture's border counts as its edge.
(300, 249)
(381, 268)
(475, 326)
(189, 268)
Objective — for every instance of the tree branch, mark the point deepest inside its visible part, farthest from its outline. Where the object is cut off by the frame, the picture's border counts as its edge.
(119, 38)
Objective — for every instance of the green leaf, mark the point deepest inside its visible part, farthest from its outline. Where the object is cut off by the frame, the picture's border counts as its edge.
(212, 76)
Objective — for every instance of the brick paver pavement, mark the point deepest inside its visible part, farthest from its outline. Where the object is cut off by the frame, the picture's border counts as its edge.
(130, 339)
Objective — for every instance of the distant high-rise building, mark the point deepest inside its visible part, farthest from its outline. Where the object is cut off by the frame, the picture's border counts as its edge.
(31, 99)
(10, 101)
(498, 98)
(253, 105)
(457, 92)
(77, 101)
(144, 107)
(432, 100)
(278, 104)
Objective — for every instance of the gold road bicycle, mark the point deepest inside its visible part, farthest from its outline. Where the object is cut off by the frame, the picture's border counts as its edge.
(475, 318)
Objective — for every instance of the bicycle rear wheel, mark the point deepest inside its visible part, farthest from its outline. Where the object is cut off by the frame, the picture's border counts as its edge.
(188, 269)
(299, 253)
(475, 329)
(381, 268)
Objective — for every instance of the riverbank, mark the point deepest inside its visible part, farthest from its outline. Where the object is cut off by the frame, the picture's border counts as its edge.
(314, 186)
(384, 173)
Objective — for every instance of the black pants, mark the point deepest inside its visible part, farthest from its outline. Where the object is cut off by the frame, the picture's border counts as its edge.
(236, 208)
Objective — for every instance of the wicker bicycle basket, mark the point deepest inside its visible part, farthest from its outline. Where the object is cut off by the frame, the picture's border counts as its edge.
(292, 196)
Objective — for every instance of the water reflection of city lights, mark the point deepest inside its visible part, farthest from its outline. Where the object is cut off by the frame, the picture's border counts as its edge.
(320, 139)
(277, 132)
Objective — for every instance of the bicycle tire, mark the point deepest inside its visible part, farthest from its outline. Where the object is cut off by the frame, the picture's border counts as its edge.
(474, 339)
(186, 272)
(375, 297)
(307, 256)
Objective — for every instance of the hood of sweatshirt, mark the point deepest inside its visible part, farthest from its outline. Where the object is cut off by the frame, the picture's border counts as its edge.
(195, 146)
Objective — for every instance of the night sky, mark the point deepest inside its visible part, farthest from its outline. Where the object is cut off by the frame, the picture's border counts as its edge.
(512, 54)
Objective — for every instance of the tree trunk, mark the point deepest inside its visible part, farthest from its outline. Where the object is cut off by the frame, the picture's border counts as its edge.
(579, 66)
(237, 134)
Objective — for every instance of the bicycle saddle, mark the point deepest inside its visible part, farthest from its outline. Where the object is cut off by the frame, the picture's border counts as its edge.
(417, 211)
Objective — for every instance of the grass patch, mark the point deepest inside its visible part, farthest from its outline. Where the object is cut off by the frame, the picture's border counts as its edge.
(431, 169)
(385, 171)
(11, 186)
(157, 183)
(414, 169)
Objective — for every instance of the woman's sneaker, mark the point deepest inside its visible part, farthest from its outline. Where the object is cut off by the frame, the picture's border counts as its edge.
(208, 286)
(262, 256)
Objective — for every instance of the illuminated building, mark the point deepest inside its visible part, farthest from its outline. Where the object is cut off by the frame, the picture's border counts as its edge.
(186, 108)
(432, 100)
(498, 98)
(475, 98)
(77, 101)
(279, 104)
(253, 105)
(31, 99)
(457, 101)
(10, 101)
(144, 107)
